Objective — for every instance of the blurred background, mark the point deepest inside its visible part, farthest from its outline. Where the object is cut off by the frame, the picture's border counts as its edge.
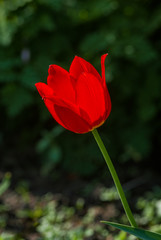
(43, 157)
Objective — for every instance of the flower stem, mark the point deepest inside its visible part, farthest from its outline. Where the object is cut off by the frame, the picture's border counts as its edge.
(115, 178)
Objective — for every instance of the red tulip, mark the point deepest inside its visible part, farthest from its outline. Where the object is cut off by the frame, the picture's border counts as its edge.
(78, 100)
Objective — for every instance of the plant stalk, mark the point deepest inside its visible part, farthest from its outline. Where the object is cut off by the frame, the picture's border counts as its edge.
(115, 178)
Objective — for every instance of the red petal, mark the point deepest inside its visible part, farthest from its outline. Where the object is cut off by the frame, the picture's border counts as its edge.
(71, 120)
(59, 80)
(90, 96)
(107, 96)
(65, 113)
(79, 65)
(68, 115)
(46, 92)
(50, 106)
(43, 89)
(103, 57)
(107, 102)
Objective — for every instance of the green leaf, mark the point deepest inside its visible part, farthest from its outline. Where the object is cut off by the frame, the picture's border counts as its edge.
(138, 232)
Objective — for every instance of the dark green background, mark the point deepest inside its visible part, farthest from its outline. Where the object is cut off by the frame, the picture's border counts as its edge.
(36, 33)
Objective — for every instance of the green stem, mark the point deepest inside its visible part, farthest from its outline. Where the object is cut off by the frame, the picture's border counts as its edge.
(115, 178)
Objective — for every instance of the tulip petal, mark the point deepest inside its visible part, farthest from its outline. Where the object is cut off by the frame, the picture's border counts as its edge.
(79, 65)
(59, 80)
(107, 95)
(90, 97)
(69, 115)
(65, 113)
(46, 93)
(103, 57)
(71, 120)
(44, 89)
(108, 103)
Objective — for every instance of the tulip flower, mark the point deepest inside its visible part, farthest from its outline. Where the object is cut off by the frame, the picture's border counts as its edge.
(78, 100)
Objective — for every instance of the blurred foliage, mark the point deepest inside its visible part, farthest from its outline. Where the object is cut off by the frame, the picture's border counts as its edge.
(25, 215)
(108, 194)
(5, 183)
(36, 33)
